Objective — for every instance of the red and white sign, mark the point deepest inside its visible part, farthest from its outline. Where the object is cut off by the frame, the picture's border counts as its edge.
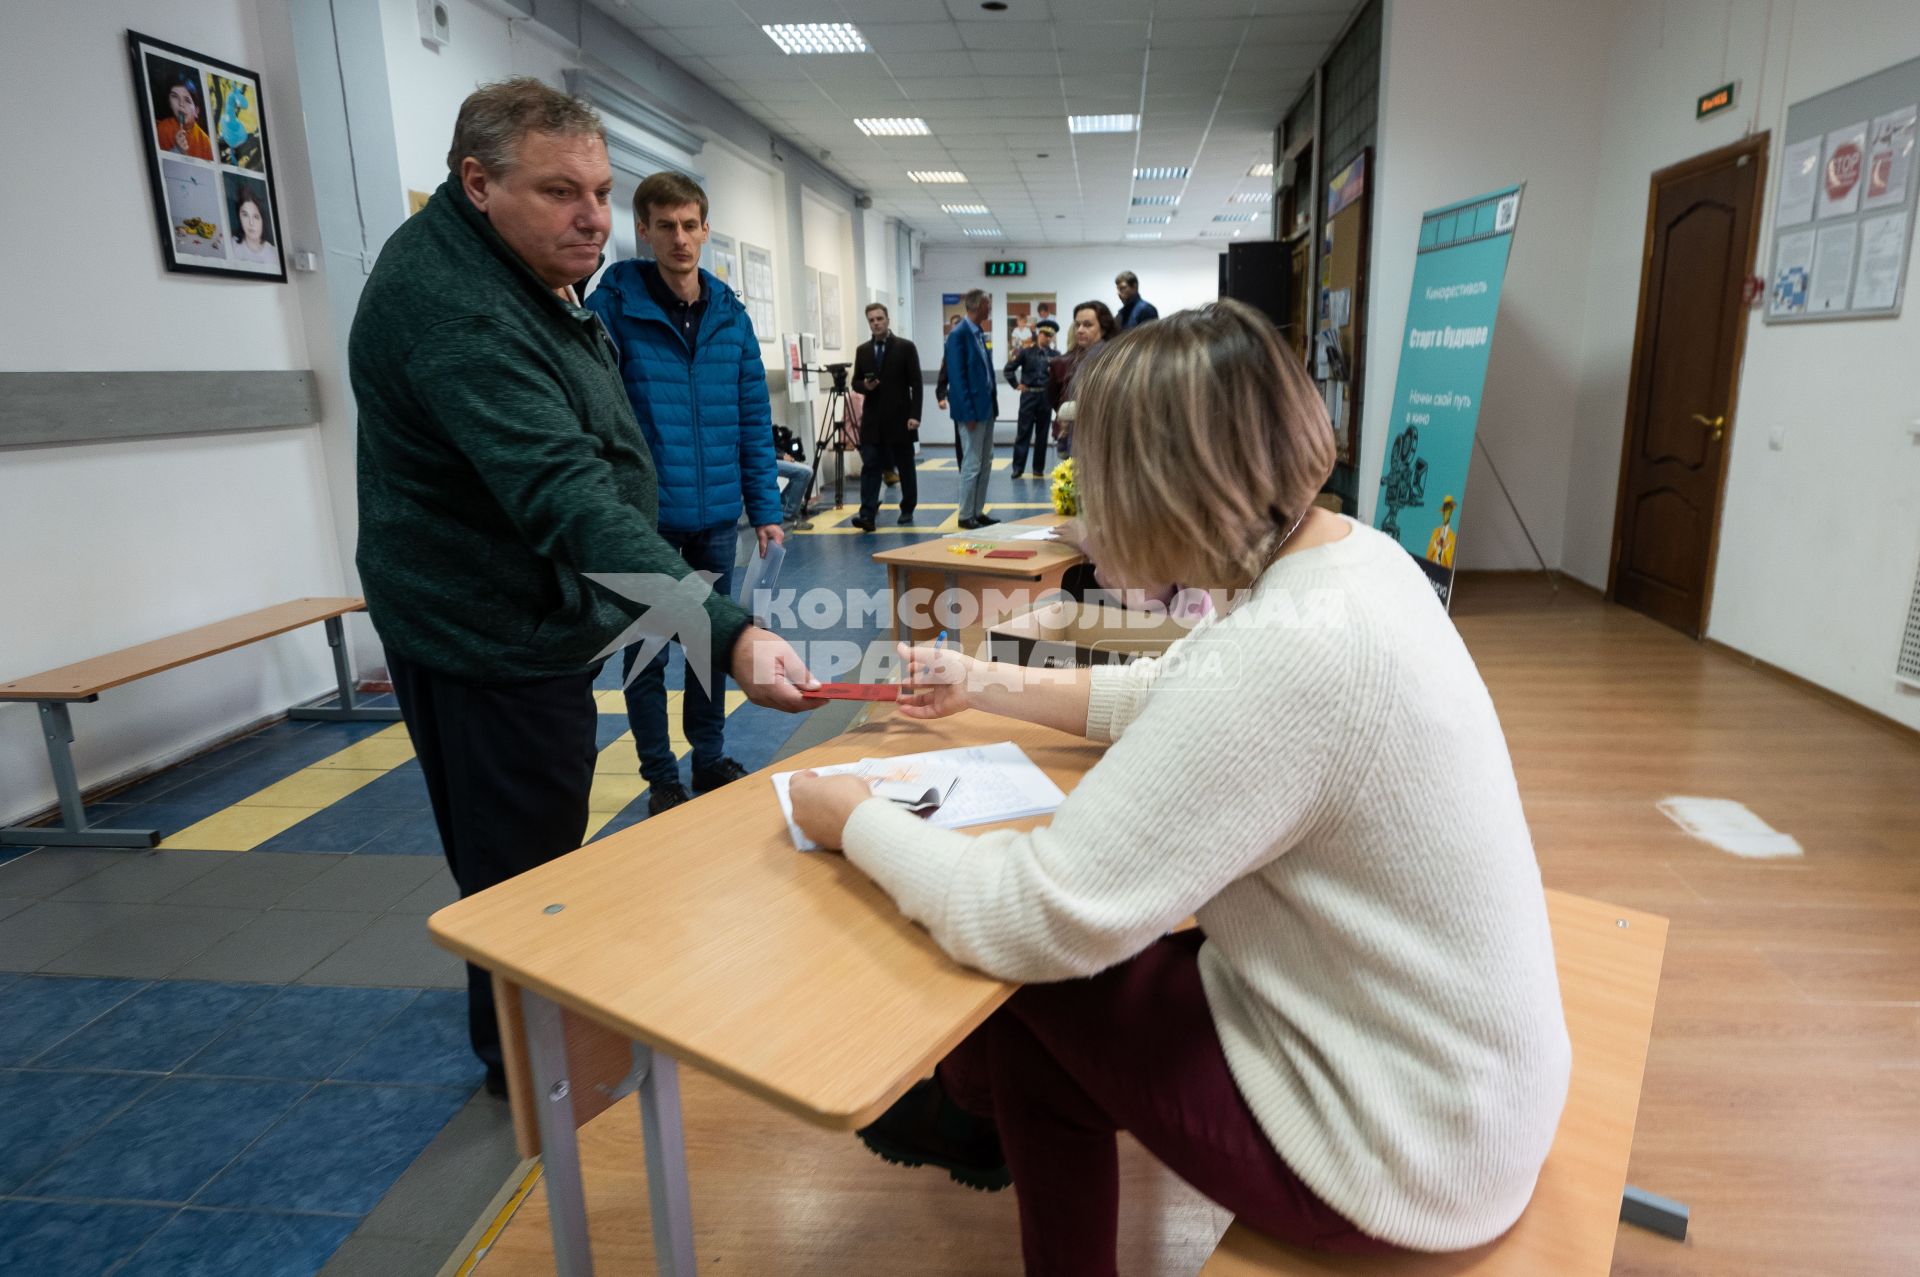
(1840, 176)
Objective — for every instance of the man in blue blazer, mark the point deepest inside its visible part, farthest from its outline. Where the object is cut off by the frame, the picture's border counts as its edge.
(691, 363)
(972, 400)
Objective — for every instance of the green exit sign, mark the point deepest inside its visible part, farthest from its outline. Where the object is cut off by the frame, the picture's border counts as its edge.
(1721, 99)
(1006, 268)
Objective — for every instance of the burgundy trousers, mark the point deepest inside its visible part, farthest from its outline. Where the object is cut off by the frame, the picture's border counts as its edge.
(1061, 1068)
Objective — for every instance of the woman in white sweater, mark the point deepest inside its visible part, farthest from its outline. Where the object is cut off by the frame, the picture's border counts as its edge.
(1362, 1048)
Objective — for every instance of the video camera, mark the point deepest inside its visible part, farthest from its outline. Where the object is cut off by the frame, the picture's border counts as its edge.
(837, 371)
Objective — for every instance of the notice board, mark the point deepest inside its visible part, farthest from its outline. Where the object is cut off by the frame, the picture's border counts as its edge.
(1844, 201)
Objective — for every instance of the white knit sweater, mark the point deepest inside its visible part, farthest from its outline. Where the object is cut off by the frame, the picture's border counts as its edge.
(1321, 778)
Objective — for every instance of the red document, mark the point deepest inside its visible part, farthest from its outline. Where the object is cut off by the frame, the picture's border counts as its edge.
(1011, 554)
(854, 692)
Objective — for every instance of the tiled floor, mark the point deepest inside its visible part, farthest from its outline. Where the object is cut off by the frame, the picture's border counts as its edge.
(218, 1056)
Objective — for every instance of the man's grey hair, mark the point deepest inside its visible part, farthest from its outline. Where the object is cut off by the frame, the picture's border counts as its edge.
(972, 300)
(1128, 278)
(496, 116)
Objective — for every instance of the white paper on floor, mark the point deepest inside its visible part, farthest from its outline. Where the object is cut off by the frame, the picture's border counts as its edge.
(1729, 826)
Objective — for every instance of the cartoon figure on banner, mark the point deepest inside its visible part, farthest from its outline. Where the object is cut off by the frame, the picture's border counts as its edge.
(1405, 481)
(1440, 544)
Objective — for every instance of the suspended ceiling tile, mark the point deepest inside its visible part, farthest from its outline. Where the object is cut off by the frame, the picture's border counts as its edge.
(1101, 37)
(710, 42)
(912, 37)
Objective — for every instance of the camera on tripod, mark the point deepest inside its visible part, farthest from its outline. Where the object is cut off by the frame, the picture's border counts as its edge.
(839, 374)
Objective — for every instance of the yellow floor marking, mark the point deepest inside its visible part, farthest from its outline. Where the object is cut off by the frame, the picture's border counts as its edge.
(238, 828)
(383, 751)
(313, 788)
(499, 1224)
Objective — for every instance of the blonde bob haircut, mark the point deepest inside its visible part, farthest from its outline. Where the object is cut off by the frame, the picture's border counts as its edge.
(1199, 442)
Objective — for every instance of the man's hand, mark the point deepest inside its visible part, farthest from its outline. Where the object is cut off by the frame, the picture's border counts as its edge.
(770, 672)
(769, 534)
(822, 805)
(942, 403)
(913, 424)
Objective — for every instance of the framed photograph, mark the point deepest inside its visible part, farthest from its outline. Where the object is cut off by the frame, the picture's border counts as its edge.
(757, 265)
(204, 131)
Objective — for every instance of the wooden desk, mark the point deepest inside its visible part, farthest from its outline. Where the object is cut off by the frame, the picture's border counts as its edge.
(1000, 586)
(702, 935)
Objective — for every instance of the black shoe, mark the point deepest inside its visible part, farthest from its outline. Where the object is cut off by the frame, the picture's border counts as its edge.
(1019, 474)
(862, 522)
(496, 1082)
(724, 772)
(665, 796)
(969, 523)
(925, 1128)
(984, 520)
(906, 518)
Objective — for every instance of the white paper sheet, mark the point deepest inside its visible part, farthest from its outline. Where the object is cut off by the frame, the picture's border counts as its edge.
(1792, 274)
(1889, 159)
(1833, 254)
(1841, 174)
(996, 782)
(1883, 246)
(1799, 183)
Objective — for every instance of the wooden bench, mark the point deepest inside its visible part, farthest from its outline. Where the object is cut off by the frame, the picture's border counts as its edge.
(55, 690)
(1609, 961)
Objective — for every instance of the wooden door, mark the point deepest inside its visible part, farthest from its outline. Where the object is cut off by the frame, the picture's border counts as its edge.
(1702, 223)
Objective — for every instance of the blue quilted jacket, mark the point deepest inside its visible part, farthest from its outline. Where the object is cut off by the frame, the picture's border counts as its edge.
(706, 417)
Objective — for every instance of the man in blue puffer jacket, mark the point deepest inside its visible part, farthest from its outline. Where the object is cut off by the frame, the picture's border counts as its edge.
(692, 368)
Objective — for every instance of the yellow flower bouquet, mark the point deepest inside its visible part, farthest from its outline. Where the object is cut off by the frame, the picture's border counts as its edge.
(1065, 500)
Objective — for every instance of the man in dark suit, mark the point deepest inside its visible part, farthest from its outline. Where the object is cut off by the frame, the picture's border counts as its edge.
(887, 371)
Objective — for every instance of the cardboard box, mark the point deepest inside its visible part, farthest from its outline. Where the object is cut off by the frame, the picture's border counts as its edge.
(1066, 635)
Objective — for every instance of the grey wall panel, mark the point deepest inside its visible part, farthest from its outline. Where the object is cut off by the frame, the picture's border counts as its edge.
(87, 407)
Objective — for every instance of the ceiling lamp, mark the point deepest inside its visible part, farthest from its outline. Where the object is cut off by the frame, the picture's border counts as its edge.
(1103, 123)
(936, 175)
(1161, 173)
(965, 210)
(894, 126)
(817, 37)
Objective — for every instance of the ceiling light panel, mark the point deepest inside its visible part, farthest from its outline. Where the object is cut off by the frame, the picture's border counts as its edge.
(1261, 170)
(1159, 220)
(983, 232)
(965, 210)
(1143, 234)
(937, 176)
(894, 126)
(817, 37)
(1155, 201)
(1162, 173)
(1234, 217)
(1252, 197)
(1103, 123)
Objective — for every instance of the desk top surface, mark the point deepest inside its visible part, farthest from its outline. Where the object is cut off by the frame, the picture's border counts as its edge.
(86, 679)
(703, 932)
(935, 554)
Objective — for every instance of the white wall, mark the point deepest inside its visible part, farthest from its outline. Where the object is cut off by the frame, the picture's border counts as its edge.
(1818, 541)
(114, 543)
(828, 248)
(1172, 277)
(1480, 94)
(429, 84)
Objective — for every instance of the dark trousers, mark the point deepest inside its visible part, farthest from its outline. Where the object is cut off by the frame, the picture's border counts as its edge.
(703, 710)
(1062, 1067)
(886, 448)
(1036, 421)
(508, 768)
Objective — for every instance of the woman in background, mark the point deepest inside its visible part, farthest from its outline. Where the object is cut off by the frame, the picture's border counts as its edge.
(1093, 327)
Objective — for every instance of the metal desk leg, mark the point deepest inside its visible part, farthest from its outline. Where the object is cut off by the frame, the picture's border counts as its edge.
(668, 1198)
(1654, 1213)
(56, 727)
(345, 710)
(559, 1139)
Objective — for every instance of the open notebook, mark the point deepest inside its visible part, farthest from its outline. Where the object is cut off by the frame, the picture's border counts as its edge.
(974, 785)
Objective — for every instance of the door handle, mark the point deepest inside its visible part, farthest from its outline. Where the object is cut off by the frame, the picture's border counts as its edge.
(1716, 424)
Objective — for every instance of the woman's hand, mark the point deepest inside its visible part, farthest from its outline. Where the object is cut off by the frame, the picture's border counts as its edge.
(822, 805)
(936, 681)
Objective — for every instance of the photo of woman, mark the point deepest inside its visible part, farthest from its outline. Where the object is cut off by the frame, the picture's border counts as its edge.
(251, 228)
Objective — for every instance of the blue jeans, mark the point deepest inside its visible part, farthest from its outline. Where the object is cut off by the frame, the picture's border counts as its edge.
(703, 710)
(793, 493)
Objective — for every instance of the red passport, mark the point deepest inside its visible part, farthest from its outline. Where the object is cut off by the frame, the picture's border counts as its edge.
(854, 692)
(1011, 554)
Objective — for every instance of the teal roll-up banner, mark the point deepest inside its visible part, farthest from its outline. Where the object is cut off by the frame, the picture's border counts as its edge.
(1458, 267)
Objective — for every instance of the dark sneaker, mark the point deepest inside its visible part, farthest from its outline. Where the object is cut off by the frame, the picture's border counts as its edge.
(665, 796)
(1019, 474)
(724, 772)
(925, 1128)
(984, 520)
(496, 1082)
(862, 522)
(968, 523)
(906, 518)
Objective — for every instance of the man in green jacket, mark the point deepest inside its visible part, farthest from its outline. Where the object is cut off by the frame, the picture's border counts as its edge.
(508, 504)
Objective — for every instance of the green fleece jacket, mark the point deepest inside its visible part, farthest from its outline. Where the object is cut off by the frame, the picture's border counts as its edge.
(500, 463)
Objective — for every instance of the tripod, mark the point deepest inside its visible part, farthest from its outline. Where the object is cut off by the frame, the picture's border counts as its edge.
(832, 434)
